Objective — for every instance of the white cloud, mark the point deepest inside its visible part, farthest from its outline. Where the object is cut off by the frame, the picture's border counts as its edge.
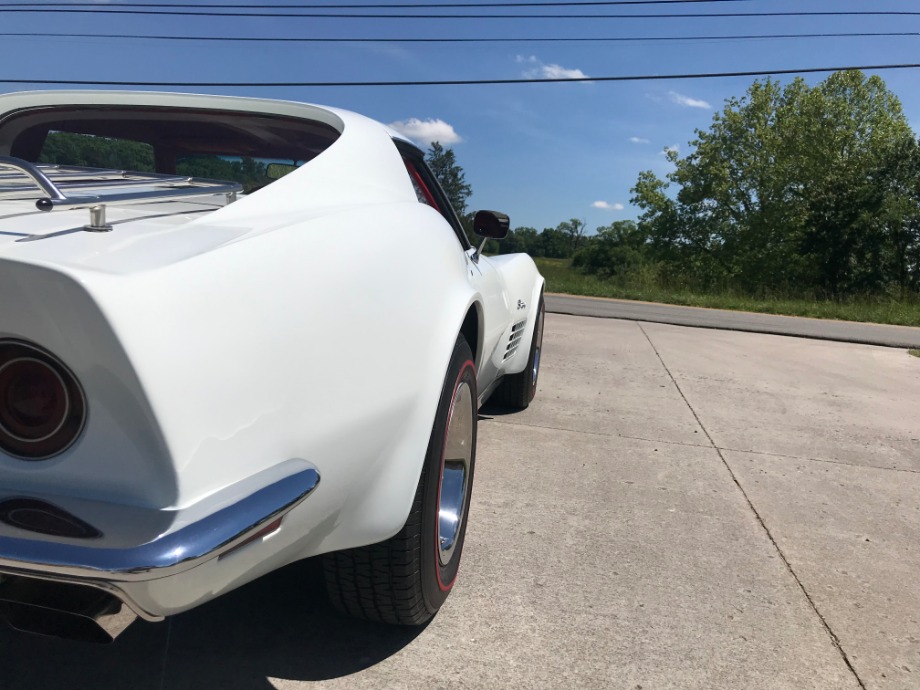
(607, 206)
(541, 70)
(427, 131)
(639, 140)
(669, 149)
(687, 101)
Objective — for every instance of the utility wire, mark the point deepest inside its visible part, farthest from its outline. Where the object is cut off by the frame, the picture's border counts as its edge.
(545, 39)
(340, 15)
(439, 5)
(464, 82)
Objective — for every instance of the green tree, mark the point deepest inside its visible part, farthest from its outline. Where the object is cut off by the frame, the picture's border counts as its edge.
(555, 243)
(450, 175)
(790, 189)
(519, 240)
(616, 250)
(65, 148)
(575, 229)
(855, 128)
(900, 178)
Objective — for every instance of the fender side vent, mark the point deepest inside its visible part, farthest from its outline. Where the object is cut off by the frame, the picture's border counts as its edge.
(517, 332)
(37, 516)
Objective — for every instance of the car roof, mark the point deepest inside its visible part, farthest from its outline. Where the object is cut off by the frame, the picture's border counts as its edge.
(334, 117)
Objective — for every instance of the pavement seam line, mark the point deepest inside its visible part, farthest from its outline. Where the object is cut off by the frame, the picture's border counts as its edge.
(599, 433)
(824, 460)
(827, 628)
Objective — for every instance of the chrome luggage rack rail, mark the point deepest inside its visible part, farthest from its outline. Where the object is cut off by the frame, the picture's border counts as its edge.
(61, 186)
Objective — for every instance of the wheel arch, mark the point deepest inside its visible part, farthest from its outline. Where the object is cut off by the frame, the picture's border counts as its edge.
(471, 330)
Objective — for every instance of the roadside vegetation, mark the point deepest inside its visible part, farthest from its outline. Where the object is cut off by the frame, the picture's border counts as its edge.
(797, 200)
(562, 277)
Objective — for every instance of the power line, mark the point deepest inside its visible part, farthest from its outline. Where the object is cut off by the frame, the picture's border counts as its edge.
(464, 82)
(452, 5)
(341, 15)
(545, 39)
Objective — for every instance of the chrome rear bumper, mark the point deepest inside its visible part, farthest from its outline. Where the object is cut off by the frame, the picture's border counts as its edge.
(203, 532)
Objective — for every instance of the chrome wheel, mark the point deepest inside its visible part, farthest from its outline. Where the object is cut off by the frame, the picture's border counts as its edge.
(455, 471)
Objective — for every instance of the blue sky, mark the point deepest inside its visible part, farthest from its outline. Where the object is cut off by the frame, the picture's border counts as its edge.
(543, 153)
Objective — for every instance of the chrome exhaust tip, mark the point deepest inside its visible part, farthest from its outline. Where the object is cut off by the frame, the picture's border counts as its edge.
(62, 609)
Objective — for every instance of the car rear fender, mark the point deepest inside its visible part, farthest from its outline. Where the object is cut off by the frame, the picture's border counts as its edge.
(121, 454)
(326, 339)
(525, 286)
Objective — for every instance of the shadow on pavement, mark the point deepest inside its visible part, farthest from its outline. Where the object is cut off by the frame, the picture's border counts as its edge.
(491, 409)
(280, 626)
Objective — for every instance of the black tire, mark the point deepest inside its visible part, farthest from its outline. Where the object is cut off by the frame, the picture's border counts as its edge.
(405, 579)
(518, 390)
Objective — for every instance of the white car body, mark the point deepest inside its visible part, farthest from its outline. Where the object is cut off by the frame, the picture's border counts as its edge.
(301, 332)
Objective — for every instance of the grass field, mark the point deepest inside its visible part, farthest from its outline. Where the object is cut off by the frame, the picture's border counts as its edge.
(561, 277)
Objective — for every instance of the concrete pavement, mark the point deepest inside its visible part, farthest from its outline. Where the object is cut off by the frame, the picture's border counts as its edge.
(679, 508)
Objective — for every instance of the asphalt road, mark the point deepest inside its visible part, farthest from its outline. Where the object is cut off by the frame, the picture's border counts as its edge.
(678, 508)
(822, 329)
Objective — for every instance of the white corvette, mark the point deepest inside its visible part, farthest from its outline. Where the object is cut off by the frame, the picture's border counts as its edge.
(203, 380)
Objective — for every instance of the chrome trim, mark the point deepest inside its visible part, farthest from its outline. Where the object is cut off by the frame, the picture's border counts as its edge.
(52, 180)
(168, 554)
(33, 172)
(478, 252)
(97, 220)
(455, 472)
(514, 340)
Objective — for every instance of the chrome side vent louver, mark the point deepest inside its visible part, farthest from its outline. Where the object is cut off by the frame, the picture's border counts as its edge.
(517, 332)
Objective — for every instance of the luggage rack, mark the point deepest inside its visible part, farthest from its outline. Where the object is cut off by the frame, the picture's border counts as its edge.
(67, 186)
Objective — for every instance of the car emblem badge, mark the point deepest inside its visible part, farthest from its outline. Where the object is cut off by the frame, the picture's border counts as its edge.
(521, 305)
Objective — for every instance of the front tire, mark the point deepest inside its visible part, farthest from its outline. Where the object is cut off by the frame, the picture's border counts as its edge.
(406, 579)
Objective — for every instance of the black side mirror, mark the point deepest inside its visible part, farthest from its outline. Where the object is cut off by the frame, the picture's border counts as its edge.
(491, 225)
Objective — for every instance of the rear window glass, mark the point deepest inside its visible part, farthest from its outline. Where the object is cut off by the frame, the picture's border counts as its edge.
(251, 172)
(253, 149)
(66, 148)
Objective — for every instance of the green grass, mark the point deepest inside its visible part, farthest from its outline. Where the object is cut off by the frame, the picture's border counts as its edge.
(915, 353)
(561, 277)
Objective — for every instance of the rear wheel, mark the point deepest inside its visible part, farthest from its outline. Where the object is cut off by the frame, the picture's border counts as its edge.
(406, 578)
(518, 390)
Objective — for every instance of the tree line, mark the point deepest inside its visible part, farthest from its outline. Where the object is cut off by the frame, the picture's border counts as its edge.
(86, 150)
(793, 191)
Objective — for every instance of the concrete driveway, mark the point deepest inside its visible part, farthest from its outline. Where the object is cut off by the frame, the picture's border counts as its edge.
(679, 508)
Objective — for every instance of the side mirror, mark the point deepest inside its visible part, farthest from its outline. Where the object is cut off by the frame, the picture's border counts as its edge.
(491, 225)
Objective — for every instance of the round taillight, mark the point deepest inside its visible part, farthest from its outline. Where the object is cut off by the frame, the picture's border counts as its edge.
(42, 408)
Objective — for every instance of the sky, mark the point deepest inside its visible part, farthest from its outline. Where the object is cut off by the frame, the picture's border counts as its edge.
(543, 153)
